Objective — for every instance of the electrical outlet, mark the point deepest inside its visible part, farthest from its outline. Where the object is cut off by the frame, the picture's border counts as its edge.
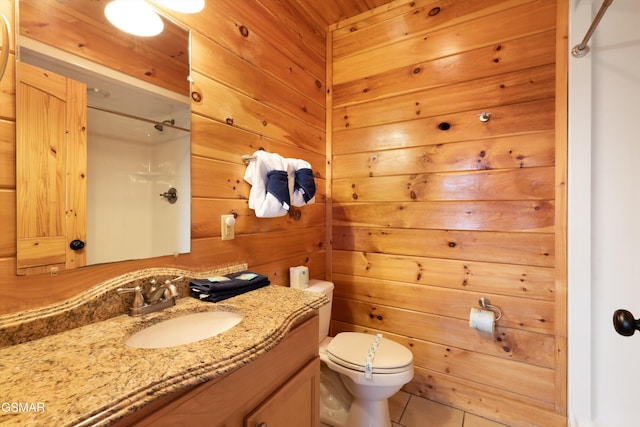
(227, 227)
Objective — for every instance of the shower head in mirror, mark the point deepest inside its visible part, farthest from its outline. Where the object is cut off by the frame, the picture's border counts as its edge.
(160, 126)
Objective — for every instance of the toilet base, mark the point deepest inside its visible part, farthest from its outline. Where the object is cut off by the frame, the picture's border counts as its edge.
(335, 399)
(369, 413)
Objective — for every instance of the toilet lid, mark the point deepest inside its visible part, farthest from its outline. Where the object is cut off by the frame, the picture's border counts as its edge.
(350, 349)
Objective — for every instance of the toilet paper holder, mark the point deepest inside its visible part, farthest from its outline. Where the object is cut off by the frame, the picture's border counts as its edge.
(485, 303)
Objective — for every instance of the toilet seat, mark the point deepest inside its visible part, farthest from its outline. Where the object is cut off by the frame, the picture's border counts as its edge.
(350, 349)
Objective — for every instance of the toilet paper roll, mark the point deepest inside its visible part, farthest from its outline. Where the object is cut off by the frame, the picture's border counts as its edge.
(482, 320)
(299, 277)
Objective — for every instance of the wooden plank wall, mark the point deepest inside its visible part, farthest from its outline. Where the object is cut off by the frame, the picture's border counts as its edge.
(259, 82)
(433, 208)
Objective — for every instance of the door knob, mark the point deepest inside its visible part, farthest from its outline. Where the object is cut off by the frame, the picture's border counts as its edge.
(624, 323)
(76, 245)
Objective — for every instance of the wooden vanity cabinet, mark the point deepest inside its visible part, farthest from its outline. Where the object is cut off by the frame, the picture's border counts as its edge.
(293, 404)
(279, 388)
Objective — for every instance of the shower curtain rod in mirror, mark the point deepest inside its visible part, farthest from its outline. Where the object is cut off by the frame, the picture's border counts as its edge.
(142, 119)
(582, 49)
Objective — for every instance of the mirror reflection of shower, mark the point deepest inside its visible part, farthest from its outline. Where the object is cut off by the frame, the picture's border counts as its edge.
(132, 163)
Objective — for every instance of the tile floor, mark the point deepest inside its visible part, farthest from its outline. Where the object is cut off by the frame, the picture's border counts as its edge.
(413, 411)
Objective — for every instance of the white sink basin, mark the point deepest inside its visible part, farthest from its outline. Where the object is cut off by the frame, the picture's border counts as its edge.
(184, 329)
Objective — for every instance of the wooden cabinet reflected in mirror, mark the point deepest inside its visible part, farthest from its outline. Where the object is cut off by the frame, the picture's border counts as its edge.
(90, 189)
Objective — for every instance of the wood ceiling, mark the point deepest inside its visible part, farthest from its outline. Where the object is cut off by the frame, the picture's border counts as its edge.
(323, 13)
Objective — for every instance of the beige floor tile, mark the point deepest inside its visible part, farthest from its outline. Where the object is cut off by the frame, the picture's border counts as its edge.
(397, 403)
(425, 413)
(471, 420)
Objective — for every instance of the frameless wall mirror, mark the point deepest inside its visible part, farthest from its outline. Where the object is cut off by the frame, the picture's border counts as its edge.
(102, 138)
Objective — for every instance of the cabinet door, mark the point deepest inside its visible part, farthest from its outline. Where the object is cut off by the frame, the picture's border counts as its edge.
(50, 169)
(296, 403)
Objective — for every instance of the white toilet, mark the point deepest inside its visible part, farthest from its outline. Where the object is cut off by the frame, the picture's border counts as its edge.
(359, 372)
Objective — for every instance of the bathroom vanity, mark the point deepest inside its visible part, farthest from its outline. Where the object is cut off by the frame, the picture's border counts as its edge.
(263, 370)
(280, 388)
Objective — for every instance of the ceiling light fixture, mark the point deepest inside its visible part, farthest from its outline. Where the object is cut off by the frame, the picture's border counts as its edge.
(184, 6)
(135, 17)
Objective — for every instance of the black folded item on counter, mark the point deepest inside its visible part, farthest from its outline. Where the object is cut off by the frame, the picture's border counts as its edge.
(219, 288)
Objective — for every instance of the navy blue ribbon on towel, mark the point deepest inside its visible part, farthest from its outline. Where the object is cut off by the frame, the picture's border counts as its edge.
(278, 186)
(304, 180)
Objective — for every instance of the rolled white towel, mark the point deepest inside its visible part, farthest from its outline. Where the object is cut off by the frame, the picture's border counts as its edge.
(269, 195)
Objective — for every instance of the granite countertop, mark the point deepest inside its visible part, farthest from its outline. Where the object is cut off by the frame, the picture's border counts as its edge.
(87, 376)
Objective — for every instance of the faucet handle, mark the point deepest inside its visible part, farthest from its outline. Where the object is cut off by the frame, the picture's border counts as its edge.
(173, 290)
(138, 298)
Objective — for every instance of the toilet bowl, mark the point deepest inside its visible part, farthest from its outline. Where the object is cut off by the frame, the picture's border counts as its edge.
(359, 372)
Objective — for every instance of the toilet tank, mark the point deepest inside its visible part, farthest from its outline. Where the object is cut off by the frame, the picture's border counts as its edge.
(323, 287)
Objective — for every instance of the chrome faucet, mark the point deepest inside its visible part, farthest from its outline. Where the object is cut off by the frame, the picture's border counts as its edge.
(156, 298)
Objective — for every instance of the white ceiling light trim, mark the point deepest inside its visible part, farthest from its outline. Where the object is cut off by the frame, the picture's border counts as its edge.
(135, 17)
